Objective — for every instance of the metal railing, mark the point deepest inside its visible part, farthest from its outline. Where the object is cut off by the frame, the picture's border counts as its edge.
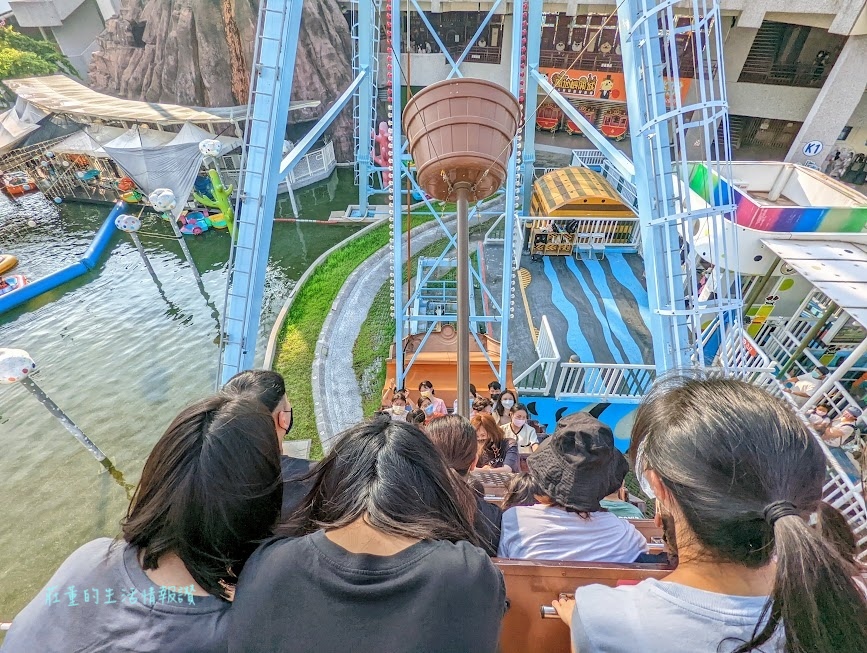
(617, 233)
(779, 74)
(539, 377)
(588, 158)
(314, 164)
(615, 382)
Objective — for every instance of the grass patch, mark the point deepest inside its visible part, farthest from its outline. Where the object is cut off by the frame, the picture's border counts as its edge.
(297, 341)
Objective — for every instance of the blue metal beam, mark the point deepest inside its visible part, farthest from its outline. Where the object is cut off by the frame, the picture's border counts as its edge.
(394, 202)
(271, 89)
(534, 43)
(303, 146)
(366, 94)
(432, 31)
(512, 200)
(618, 159)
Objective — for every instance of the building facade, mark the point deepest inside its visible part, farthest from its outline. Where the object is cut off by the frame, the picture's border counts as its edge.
(72, 24)
(795, 70)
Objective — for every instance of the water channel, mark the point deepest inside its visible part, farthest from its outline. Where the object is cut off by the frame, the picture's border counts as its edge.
(121, 355)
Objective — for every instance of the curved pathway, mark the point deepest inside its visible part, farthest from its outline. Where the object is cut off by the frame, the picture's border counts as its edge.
(337, 396)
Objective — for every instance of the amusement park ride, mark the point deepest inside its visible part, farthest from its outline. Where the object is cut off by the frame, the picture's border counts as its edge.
(689, 329)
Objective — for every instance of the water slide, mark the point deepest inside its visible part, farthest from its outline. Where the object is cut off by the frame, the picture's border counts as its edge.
(85, 264)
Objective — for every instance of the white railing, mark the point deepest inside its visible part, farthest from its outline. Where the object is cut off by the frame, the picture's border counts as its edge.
(617, 233)
(605, 382)
(518, 241)
(847, 497)
(624, 187)
(314, 164)
(497, 231)
(588, 158)
(539, 377)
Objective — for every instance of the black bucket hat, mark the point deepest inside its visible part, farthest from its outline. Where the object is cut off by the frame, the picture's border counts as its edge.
(578, 465)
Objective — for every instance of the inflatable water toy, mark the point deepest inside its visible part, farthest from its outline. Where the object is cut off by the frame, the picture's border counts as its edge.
(218, 221)
(18, 183)
(125, 184)
(194, 223)
(88, 175)
(7, 262)
(88, 261)
(12, 282)
(217, 197)
(132, 197)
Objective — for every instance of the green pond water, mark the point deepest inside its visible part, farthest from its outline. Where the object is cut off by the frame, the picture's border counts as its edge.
(121, 355)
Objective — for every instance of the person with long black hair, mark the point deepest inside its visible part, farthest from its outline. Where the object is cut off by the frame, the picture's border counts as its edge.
(209, 492)
(455, 438)
(381, 557)
(737, 478)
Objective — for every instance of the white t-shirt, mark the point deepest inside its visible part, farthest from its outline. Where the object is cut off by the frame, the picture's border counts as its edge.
(806, 383)
(543, 532)
(525, 437)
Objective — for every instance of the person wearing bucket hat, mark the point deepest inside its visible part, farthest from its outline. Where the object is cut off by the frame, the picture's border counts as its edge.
(843, 427)
(575, 469)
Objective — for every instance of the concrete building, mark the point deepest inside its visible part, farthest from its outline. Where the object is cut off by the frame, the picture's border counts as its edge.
(795, 69)
(72, 24)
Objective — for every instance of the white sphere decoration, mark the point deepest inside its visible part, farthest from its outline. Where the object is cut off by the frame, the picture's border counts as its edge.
(128, 223)
(210, 147)
(163, 199)
(15, 364)
(31, 223)
(66, 164)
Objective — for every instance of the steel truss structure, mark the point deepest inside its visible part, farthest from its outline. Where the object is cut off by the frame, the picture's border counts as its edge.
(404, 182)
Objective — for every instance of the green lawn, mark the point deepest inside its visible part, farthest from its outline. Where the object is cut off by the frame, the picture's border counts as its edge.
(297, 341)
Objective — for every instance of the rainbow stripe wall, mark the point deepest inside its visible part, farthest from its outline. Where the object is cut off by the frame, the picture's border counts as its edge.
(775, 218)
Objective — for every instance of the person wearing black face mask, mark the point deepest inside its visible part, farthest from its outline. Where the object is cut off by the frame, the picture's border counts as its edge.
(269, 388)
(494, 390)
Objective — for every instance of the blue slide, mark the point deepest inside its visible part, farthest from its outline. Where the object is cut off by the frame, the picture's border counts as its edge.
(82, 266)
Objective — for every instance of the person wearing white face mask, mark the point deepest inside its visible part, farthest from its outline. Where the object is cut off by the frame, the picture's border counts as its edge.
(398, 407)
(504, 406)
(518, 429)
(802, 387)
(426, 389)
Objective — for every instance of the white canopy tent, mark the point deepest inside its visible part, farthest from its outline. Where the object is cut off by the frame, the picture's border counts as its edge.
(22, 119)
(152, 164)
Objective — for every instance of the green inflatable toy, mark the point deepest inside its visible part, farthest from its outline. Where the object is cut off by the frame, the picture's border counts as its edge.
(221, 201)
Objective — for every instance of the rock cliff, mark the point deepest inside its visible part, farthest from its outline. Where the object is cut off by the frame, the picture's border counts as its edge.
(199, 53)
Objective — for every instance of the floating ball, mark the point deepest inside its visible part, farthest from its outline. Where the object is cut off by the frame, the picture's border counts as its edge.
(58, 200)
(163, 199)
(15, 364)
(210, 147)
(128, 223)
(31, 223)
(49, 154)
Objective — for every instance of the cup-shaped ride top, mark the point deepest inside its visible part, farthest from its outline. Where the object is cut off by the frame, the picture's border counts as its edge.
(461, 130)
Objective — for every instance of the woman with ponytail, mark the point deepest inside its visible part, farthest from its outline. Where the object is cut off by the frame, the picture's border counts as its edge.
(737, 478)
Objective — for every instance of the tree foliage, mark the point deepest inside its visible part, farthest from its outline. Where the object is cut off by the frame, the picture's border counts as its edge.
(22, 56)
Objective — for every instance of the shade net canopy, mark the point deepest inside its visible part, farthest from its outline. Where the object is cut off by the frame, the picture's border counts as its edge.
(151, 164)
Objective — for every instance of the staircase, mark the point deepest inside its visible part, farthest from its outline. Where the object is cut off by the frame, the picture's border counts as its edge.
(267, 115)
(362, 133)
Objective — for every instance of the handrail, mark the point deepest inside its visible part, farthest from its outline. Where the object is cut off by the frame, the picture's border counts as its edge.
(614, 382)
(549, 357)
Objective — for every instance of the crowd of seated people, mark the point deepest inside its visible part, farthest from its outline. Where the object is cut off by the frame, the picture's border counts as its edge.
(387, 543)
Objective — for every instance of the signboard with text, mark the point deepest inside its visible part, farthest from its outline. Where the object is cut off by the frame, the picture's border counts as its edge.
(602, 85)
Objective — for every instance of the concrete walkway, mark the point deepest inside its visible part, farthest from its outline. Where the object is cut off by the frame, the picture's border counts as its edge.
(336, 394)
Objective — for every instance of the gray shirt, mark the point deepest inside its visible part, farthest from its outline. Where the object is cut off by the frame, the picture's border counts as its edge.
(101, 601)
(659, 617)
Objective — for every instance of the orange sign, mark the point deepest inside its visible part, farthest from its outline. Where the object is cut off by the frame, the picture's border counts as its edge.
(602, 85)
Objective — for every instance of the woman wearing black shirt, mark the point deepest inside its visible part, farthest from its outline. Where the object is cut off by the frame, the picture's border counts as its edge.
(497, 453)
(385, 560)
